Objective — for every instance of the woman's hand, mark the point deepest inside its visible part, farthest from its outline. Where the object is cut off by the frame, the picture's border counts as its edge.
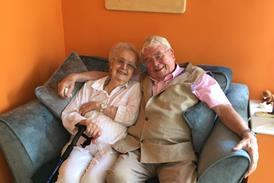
(92, 130)
(90, 106)
(66, 86)
(110, 111)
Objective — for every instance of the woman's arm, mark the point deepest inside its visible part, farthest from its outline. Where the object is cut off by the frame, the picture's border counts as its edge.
(112, 130)
(71, 115)
(126, 115)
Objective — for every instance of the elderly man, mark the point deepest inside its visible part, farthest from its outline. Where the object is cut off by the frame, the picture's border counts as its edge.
(168, 90)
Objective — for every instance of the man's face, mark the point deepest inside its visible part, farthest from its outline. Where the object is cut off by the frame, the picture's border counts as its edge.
(159, 60)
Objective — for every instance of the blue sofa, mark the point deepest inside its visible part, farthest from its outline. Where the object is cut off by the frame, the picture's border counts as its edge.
(32, 135)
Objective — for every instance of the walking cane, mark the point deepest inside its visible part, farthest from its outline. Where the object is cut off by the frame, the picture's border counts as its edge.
(81, 129)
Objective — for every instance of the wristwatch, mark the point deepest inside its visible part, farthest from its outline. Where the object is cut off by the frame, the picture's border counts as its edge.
(248, 131)
(103, 106)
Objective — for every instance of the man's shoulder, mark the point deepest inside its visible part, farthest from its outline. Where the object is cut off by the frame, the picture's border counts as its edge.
(145, 80)
(190, 74)
(189, 67)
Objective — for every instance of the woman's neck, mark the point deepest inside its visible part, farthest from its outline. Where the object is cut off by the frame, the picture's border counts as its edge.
(110, 85)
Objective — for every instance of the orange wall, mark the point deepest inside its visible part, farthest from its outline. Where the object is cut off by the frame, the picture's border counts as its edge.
(264, 171)
(237, 34)
(32, 46)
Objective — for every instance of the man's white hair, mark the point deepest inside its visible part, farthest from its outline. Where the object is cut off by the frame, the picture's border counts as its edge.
(154, 41)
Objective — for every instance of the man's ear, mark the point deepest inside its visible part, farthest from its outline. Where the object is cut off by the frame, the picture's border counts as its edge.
(172, 53)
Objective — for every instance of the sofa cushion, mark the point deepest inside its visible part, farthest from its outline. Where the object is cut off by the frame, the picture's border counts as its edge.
(94, 63)
(223, 75)
(45, 171)
(47, 94)
(202, 124)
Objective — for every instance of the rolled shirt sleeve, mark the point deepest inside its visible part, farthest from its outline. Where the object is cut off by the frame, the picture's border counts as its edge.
(128, 114)
(71, 116)
(207, 89)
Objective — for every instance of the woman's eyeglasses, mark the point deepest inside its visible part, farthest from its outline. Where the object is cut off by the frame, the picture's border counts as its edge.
(129, 65)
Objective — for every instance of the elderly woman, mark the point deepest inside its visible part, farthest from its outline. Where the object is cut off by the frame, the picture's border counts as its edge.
(106, 106)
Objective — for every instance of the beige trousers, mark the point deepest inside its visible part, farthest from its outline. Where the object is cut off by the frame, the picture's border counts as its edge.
(128, 169)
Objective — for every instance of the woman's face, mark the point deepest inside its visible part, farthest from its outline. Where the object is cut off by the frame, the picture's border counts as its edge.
(123, 66)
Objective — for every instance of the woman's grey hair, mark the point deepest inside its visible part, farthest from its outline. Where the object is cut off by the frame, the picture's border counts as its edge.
(123, 46)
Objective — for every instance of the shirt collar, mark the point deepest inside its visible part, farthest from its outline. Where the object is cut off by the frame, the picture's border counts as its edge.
(99, 83)
(177, 71)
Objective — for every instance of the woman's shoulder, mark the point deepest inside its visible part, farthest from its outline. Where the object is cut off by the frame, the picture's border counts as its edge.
(134, 84)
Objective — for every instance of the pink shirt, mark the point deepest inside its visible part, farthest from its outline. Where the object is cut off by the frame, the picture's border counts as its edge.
(205, 89)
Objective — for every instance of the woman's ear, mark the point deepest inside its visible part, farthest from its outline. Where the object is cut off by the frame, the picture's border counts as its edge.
(110, 61)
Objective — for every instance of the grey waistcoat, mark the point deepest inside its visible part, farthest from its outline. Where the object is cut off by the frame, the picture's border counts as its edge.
(160, 132)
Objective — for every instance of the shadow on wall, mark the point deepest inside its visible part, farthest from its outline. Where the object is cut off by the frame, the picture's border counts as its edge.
(5, 173)
(39, 74)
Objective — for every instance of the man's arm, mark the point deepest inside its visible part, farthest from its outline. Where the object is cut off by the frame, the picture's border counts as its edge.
(209, 91)
(66, 86)
(231, 118)
(236, 123)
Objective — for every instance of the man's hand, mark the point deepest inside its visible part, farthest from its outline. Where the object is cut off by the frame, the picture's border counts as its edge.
(87, 107)
(66, 86)
(249, 143)
(93, 130)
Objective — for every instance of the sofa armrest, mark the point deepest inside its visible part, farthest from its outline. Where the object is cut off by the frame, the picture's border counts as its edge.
(30, 136)
(217, 161)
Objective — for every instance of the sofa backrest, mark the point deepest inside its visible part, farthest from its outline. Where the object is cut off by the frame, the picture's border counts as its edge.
(201, 124)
